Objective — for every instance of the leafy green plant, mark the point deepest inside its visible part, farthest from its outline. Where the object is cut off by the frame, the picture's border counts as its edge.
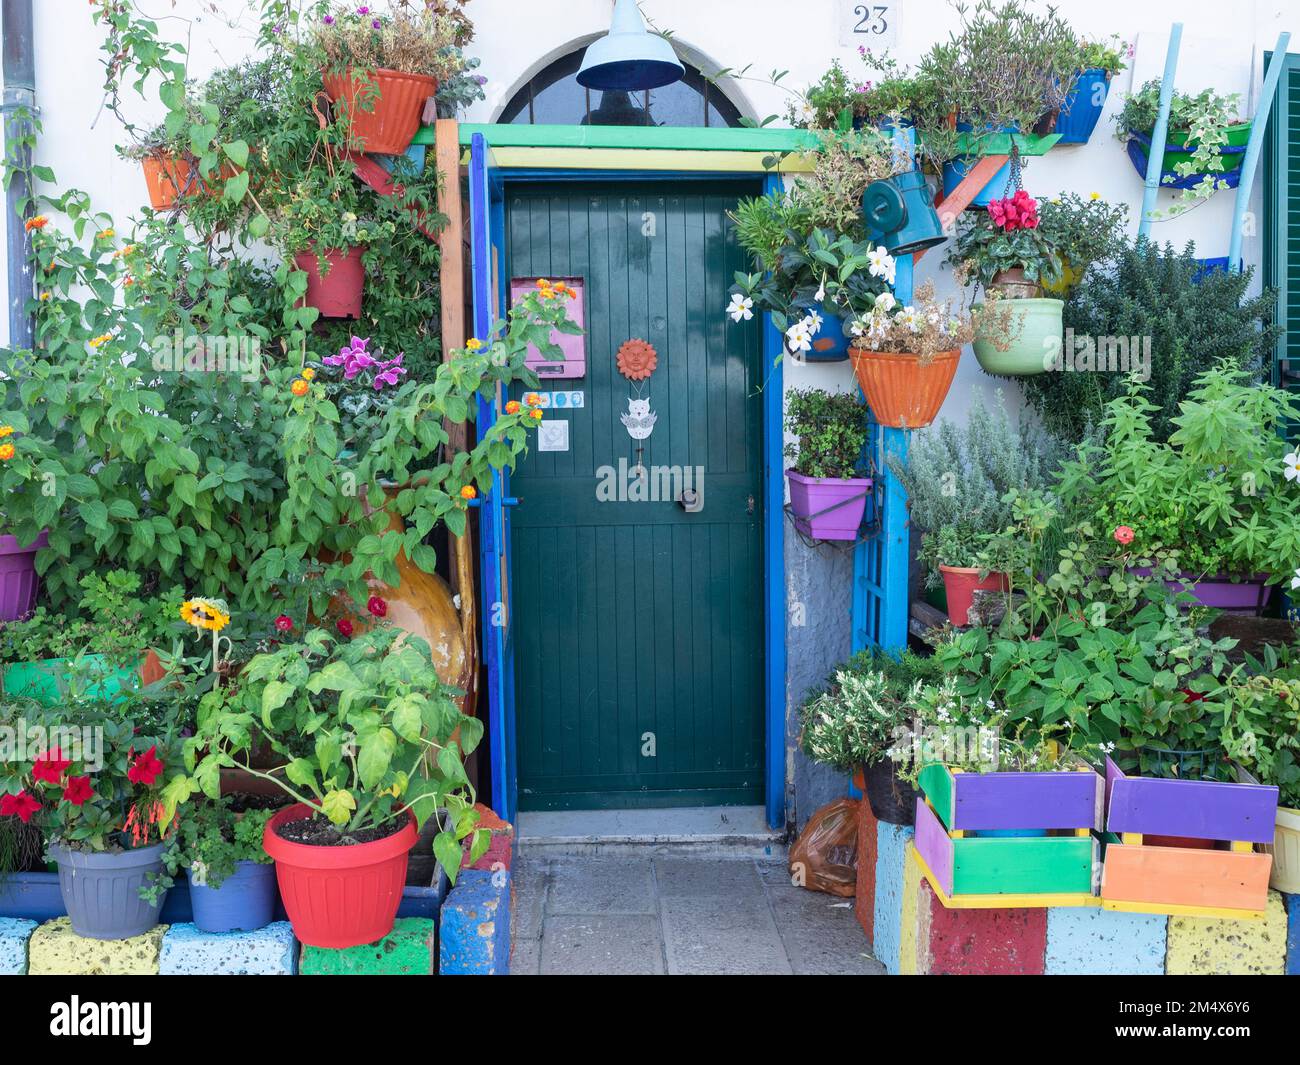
(857, 721)
(822, 103)
(1081, 231)
(1261, 726)
(830, 430)
(1149, 294)
(365, 730)
(212, 838)
(1006, 237)
(411, 39)
(1104, 53)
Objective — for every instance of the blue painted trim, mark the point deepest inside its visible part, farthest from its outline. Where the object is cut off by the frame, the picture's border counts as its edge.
(1158, 135)
(774, 609)
(1253, 147)
(491, 518)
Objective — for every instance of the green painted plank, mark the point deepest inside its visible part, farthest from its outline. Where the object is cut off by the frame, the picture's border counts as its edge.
(679, 138)
(1000, 143)
(935, 781)
(1027, 865)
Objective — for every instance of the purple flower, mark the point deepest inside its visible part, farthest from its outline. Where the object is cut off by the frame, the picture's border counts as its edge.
(481, 79)
(363, 10)
(328, 20)
(376, 24)
(277, 30)
(390, 371)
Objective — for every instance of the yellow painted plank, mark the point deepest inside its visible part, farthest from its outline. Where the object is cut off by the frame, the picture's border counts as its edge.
(908, 937)
(1000, 902)
(1176, 910)
(639, 159)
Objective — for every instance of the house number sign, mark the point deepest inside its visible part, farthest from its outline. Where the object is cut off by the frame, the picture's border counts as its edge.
(874, 26)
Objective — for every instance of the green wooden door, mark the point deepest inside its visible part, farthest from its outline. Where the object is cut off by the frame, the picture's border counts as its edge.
(638, 628)
(1282, 231)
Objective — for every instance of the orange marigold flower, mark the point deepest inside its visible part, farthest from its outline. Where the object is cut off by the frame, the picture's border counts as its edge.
(512, 407)
(543, 283)
(101, 340)
(6, 452)
(468, 492)
(300, 387)
(39, 222)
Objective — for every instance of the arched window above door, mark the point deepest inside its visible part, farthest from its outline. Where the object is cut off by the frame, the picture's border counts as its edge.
(553, 96)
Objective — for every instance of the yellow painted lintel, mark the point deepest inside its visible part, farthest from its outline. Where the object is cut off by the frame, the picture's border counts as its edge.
(1179, 910)
(642, 159)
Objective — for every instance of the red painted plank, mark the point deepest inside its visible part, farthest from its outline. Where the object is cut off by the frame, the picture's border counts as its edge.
(949, 207)
(864, 898)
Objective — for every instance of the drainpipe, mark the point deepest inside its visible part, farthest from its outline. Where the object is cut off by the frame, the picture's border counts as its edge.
(19, 93)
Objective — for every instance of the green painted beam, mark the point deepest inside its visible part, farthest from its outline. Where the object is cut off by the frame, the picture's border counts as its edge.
(1000, 143)
(677, 138)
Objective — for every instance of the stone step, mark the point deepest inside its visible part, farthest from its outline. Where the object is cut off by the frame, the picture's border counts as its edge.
(718, 831)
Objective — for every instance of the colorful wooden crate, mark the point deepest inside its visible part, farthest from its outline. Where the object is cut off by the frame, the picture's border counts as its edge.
(1226, 879)
(967, 871)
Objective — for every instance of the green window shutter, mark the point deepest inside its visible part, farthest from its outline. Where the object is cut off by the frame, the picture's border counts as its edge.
(1282, 224)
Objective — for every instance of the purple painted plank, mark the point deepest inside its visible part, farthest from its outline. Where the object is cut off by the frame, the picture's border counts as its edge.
(1027, 800)
(1200, 809)
(934, 845)
(1113, 773)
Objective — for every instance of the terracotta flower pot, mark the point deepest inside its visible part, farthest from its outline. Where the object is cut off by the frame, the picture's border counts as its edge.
(337, 292)
(1014, 285)
(383, 107)
(339, 896)
(961, 583)
(902, 391)
(168, 178)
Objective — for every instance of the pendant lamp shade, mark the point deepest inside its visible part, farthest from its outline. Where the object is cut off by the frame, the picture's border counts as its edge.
(629, 58)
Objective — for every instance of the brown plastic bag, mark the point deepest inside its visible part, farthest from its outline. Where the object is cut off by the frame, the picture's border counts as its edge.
(825, 856)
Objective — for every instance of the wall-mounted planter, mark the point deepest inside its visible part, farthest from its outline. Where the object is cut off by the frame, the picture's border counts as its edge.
(18, 579)
(960, 583)
(1249, 596)
(955, 170)
(1034, 343)
(48, 680)
(1231, 879)
(337, 292)
(1082, 107)
(383, 107)
(829, 342)
(902, 391)
(828, 508)
(168, 178)
(1176, 151)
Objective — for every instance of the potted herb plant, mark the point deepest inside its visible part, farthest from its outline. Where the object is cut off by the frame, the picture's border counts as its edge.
(1205, 146)
(1099, 61)
(959, 481)
(906, 357)
(102, 805)
(1083, 231)
(1006, 250)
(828, 495)
(860, 720)
(371, 745)
(231, 877)
(380, 69)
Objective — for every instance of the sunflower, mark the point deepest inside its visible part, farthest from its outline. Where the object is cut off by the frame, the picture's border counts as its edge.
(211, 614)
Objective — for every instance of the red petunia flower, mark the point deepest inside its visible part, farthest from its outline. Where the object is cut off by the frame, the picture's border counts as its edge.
(21, 806)
(377, 606)
(344, 625)
(146, 768)
(1123, 534)
(77, 790)
(284, 623)
(50, 767)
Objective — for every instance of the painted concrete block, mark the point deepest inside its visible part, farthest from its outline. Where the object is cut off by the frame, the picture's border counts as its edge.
(1095, 942)
(408, 950)
(1224, 947)
(864, 895)
(968, 942)
(14, 934)
(891, 855)
(501, 850)
(474, 932)
(56, 950)
(1291, 903)
(269, 951)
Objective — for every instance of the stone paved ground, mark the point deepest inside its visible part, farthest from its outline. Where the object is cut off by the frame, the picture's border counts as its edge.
(656, 915)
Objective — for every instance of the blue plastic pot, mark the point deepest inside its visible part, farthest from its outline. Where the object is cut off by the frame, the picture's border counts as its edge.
(1139, 146)
(1082, 107)
(829, 344)
(244, 902)
(956, 169)
(102, 890)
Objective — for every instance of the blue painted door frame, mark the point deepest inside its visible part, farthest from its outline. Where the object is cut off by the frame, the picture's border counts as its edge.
(487, 231)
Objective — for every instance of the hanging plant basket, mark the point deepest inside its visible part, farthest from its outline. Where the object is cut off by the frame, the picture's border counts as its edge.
(168, 178)
(1082, 107)
(383, 107)
(828, 508)
(903, 391)
(1029, 349)
(337, 292)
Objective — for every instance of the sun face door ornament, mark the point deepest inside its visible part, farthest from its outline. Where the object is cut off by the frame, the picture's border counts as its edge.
(637, 360)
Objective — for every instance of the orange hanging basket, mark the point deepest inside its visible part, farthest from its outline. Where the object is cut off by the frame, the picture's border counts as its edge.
(903, 392)
(168, 179)
(384, 107)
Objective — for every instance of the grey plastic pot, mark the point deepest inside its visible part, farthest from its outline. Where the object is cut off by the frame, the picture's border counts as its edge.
(102, 891)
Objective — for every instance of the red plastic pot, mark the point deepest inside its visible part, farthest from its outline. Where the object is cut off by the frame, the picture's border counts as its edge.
(339, 896)
(337, 292)
(960, 584)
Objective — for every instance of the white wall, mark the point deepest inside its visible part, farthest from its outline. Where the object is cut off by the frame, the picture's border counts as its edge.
(1222, 47)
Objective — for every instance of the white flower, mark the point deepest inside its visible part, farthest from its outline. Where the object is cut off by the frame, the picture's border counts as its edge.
(813, 321)
(1295, 581)
(821, 293)
(908, 317)
(882, 263)
(808, 113)
(798, 336)
(1292, 462)
(885, 302)
(856, 327)
(741, 307)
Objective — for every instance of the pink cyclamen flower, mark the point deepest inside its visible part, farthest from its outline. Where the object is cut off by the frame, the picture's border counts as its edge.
(389, 372)
(328, 20)
(1123, 535)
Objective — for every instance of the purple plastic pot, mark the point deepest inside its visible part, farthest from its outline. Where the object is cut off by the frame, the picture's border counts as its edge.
(18, 580)
(828, 508)
(1248, 596)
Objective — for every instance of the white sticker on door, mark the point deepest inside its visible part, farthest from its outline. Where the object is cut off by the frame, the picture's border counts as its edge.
(553, 435)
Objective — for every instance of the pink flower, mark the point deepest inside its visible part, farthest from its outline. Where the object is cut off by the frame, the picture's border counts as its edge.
(377, 606)
(1015, 212)
(284, 623)
(1123, 534)
(50, 767)
(344, 625)
(78, 790)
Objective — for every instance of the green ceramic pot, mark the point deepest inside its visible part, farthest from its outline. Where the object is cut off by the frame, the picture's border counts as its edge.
(1036, 341)
(46, 681)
